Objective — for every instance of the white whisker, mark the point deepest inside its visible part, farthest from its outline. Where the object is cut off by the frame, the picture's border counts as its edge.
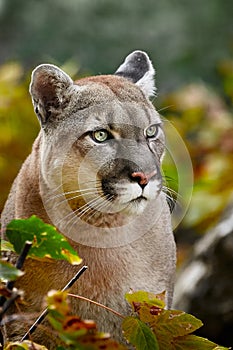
(98, 207)
(95, 202)
(172, 192)
(107, 203)
(72, 192)
(84, 210)
(74, 211)
(82, 192)
(75, 197)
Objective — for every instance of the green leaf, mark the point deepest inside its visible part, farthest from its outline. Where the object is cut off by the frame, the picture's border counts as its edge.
(194, 342)
(6, 246)
(47, 241)
(8, 272)
(139, 334)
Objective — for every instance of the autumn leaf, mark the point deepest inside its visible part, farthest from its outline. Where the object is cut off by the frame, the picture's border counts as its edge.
(57, 301)
(139, 298)
(75, 332)
(175, 323)
(25, 345)
(171, 329)
(100, 341)
(193, 342)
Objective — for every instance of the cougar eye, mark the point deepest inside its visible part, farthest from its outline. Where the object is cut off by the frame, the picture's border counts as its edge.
(152, 131)
(100, 135)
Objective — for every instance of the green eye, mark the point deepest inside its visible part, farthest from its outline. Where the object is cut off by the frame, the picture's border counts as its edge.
(100, 135)
(152, 131)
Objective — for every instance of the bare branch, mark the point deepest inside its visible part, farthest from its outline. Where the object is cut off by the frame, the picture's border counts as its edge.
(96, 303)
(45, 312)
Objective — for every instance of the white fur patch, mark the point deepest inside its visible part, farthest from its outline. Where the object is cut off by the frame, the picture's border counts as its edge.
(133, 199)
(147, 83)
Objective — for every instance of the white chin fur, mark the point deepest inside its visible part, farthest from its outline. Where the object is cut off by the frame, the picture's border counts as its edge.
(136, 207)
(133, 199)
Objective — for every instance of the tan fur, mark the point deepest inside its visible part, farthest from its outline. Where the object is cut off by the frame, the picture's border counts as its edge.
(146, 262)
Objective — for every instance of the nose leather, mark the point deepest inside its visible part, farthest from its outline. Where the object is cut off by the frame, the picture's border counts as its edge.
(143, 178)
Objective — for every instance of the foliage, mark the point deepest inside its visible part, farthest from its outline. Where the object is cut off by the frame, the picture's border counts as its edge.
(150, 327)
(204, 119)
(73, 331)
(17, 124)
(178, 36)
(171, 328)
(25, 345)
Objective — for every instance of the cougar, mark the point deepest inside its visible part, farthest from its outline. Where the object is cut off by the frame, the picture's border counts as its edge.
(94, 173)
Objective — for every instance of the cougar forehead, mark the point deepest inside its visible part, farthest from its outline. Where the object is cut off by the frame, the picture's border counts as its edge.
(102, 90)
(110, 86)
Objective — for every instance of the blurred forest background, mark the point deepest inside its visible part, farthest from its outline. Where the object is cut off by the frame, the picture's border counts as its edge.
(191, 46)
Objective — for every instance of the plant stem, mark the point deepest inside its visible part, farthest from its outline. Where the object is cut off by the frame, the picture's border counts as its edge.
(20, 261)
(96, 303)
(45, 311)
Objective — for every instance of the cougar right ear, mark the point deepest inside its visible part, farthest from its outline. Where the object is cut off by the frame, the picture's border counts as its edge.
(138, 68)
(48, 89)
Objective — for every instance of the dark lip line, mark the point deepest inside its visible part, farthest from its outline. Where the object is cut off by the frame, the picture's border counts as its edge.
(138, 198)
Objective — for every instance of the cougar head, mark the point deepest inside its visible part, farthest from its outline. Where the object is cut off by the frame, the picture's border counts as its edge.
(102, 139)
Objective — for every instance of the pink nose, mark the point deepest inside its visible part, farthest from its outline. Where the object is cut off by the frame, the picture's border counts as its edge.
(143, 178)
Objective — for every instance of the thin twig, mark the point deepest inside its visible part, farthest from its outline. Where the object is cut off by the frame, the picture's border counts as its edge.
(7, 304)
(20, 261)
(45, 312)
(23, 255)
(75, 278)
(96, 303)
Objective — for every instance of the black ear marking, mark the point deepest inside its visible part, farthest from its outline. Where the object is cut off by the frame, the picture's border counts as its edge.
(135, 68)
(138, 68)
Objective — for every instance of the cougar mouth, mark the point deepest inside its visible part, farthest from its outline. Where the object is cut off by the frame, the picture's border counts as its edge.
(138, 199)
(136, 206)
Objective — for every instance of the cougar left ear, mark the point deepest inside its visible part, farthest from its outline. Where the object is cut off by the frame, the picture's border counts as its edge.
(138, 68)
(49, 90)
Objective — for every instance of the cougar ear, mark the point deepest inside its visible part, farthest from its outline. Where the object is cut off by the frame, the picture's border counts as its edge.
(138, 68)
(48, 89)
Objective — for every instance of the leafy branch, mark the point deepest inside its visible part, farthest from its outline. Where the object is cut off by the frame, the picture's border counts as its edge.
(149, 327)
